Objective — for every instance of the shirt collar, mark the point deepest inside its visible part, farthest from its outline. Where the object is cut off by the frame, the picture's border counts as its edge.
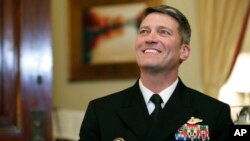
(165, 94)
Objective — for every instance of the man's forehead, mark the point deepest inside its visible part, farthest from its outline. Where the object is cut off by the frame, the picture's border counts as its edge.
(164, 17)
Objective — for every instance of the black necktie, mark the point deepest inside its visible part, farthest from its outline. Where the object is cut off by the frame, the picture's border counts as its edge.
(156, 99)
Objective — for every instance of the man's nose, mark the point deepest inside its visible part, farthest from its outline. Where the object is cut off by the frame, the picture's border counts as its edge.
(152, 37)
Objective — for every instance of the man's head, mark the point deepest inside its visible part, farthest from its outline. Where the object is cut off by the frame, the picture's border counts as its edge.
(163, 40)
(184, 27)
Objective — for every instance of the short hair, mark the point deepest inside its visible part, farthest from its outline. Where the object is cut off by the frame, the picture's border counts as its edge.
(184, 27)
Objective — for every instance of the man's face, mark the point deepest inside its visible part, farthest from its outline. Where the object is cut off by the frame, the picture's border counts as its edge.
(158, 44)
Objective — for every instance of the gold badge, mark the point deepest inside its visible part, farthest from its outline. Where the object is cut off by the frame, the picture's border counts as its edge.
(119, 139)
(194, 120)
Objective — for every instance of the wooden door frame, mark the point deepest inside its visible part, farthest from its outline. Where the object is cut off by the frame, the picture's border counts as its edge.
(9, 34)
(25, 89)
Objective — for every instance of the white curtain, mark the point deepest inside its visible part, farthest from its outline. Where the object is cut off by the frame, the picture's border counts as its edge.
(220, 23)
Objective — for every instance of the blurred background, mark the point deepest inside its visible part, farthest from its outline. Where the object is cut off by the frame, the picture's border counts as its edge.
(76, 95)
(219, 66)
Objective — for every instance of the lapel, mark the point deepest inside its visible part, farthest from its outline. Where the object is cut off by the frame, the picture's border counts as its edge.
(175, 113)
(135, 114)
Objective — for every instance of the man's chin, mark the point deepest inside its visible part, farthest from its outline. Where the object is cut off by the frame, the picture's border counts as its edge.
(151, 68)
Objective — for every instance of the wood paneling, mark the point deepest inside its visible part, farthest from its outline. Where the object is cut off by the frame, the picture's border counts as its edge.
(9, 69)
(25, 70)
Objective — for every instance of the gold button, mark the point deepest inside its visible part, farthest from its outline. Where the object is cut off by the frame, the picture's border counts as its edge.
(119, 139)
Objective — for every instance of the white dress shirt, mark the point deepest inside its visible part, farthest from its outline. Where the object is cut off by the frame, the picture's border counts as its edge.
(165, 95)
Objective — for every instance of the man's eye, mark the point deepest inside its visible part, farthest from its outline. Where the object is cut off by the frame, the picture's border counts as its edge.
(164, 33)
(143, 32)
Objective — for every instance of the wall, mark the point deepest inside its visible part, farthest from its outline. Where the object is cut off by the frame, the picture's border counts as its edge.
(76, 95)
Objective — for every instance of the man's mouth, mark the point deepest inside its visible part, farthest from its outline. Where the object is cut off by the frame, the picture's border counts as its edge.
(153, 51)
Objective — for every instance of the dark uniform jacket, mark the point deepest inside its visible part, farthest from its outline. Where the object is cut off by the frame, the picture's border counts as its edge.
(123, 116)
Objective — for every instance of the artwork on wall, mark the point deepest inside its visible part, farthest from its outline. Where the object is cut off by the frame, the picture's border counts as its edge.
(109, 33)
(102, 36)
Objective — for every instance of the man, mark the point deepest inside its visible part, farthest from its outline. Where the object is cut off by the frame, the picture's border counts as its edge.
(162, 44)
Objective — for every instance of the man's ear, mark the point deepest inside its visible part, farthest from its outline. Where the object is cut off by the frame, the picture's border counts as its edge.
(184, 52)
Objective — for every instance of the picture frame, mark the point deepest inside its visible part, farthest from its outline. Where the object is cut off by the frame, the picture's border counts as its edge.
(81, 69)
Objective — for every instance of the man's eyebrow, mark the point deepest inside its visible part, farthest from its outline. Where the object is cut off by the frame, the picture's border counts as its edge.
(158, 27)
(163, 26)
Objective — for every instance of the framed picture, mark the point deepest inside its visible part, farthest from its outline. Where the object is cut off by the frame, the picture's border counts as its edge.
(102, 36)
(240, 115)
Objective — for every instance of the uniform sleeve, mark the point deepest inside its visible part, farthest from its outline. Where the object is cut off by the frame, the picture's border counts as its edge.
(223, 125)
(89, 130)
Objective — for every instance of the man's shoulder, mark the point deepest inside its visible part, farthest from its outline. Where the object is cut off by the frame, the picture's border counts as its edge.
(115, 98)
(200, 97)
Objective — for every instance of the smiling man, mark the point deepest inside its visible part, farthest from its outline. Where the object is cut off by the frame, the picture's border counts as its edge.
(158, 107)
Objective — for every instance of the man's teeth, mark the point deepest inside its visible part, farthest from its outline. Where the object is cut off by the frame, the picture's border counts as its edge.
(150, 51)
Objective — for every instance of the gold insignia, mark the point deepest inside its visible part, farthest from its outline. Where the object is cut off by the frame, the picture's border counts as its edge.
(119, 139)
(194, 120)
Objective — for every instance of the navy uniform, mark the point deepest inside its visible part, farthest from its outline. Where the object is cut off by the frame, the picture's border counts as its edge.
(188, 115)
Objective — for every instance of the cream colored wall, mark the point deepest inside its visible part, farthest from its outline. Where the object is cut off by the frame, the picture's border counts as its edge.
(76, 95)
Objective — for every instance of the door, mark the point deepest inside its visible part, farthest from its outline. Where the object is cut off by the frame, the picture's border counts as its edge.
(25, 70)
